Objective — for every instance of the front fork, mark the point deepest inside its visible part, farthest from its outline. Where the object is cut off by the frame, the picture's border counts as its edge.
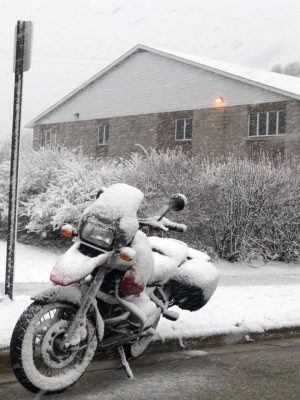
(88, 299)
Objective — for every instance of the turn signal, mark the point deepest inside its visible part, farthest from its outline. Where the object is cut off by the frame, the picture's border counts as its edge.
(125, 257)
(67, 231)
(127, 254)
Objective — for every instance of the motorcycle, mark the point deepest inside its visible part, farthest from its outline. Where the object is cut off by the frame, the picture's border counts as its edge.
(111, 288)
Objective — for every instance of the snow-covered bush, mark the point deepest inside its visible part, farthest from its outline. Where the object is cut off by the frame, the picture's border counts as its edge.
(59, 186)
(239, 207)
(252, 208)
(4, 187)
(4, 182)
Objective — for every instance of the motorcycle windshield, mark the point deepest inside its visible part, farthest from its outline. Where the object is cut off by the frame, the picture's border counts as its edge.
(97, 234)
(119, 202)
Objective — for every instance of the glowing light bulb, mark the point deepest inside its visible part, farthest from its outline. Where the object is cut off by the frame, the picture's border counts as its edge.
(219, 101)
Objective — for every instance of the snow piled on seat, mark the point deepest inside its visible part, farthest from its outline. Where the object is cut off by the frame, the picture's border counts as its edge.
(170, 261)
(173, 248)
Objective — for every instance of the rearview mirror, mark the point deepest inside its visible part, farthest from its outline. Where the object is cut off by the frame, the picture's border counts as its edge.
(177, 202)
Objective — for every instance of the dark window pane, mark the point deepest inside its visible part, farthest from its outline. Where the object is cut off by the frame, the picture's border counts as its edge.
(262, 129)
(46, 138)
(53, 139)
(106, 133)
(282, 122)
(180, 129)
(100, 134)
(253, 125)
(188, 128)
(272, 123)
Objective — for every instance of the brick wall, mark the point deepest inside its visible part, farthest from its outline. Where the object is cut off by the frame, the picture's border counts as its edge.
(166, 125)
(126, 132)
(274, 145)
(292, 139)
(216, 131)
(74, 134)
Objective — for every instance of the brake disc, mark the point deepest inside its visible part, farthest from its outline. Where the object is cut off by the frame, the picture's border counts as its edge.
(53, 353)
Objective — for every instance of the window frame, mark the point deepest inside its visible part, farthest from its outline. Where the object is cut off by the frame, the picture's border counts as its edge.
(52, 140)
(184, 129)
(105, 135)
(257, 135)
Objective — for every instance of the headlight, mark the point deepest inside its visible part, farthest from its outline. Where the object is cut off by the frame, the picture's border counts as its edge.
(96, 234)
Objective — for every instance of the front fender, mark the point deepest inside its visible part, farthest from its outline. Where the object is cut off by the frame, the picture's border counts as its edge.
(71, 294)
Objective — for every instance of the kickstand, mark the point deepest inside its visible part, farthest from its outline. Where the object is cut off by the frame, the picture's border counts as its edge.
(125, 362)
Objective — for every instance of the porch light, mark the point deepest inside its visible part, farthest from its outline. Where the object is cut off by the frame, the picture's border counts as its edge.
(219, 101)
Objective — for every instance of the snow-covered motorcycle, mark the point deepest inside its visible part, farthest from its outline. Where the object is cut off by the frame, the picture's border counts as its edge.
(111, 288)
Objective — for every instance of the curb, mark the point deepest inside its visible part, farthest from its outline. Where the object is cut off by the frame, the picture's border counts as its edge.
(193, 343)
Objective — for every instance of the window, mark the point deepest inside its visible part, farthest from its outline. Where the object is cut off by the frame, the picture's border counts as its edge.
(49, 137)
(183, 129)
(267, 123)
(103, 134)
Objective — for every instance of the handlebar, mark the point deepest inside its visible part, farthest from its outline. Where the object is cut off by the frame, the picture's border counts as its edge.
(163, 224)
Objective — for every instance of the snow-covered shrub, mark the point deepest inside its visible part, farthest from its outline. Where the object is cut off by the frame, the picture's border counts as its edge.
(60, 186)
(4, 188)
(239, 207)
(252, 208)
(4, 182)
(159, 174)
(4, 151)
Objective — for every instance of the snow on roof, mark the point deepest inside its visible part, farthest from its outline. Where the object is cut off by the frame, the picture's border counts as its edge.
(275, 82)
(289, 85)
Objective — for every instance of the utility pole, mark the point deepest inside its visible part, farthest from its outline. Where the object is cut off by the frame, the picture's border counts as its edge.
(22, 54)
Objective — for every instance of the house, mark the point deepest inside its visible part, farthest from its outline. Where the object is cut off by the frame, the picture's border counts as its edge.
(166, 99)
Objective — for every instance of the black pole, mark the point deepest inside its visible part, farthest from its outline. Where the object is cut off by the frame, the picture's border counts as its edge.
(14, 163)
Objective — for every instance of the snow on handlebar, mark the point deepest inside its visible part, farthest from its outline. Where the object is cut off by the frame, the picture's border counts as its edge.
(164, 224)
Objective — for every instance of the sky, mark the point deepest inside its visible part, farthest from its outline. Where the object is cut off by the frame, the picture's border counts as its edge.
(74, 39)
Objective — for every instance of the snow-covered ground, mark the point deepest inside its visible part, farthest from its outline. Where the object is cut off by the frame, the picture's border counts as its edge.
(248, 299)
(33, 264)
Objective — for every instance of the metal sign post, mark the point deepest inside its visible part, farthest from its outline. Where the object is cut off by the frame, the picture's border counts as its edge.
(21, 63)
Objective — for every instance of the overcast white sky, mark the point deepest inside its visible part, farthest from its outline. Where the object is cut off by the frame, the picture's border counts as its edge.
(74, 39)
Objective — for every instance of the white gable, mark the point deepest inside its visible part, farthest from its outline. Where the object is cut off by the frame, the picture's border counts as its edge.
(147, 82)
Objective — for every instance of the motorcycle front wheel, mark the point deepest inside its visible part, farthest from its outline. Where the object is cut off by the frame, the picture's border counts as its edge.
(37, 358)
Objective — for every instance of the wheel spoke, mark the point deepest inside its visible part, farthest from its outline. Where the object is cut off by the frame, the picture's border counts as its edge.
(44, 325)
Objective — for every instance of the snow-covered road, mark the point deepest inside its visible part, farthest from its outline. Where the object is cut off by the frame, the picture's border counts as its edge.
(248, 299)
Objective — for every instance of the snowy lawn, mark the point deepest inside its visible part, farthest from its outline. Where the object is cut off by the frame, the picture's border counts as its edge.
(33, 264)
(247, 300)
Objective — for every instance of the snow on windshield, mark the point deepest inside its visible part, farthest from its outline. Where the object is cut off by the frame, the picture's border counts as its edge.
(119, 202)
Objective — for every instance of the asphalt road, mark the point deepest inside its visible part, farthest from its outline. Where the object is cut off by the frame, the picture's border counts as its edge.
(254, 371)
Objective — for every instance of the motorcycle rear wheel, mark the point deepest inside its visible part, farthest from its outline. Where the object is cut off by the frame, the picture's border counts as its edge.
(37, 360)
